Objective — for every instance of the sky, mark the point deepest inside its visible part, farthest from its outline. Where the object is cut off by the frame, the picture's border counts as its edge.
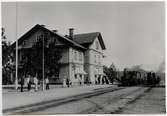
(133, 32)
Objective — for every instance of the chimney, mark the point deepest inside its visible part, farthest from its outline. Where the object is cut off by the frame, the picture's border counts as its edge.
(71, 33)
(55, 31)
(43, 25)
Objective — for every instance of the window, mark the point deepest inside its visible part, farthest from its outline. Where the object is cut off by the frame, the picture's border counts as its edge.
(38, 37)
(75, 76)
(97, 45)
(97, 69)
(55, 40)
(80, 56)
(99, 59)
(24, 43)
(80, 76)
(75, 55)
(20, 56)
(95, 58)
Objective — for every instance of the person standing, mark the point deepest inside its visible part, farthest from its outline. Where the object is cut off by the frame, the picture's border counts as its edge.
(80, 81)
(41, 84)
(68, 82)
(64, 83)
(22, 83)
(28, 83)
(47, 83)
(36, 82)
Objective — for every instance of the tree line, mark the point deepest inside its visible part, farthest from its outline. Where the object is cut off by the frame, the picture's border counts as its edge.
(131, 77)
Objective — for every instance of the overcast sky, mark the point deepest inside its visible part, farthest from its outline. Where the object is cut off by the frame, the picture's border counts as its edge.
(133, 32)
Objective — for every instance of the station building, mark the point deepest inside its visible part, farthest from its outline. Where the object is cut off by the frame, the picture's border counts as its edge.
(82, 54)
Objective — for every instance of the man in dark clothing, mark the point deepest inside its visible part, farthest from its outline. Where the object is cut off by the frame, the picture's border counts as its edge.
(68, 82)
(28, 83)
(22, 83)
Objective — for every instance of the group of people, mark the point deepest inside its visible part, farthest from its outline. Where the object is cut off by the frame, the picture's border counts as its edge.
(30, 80)
(67, 82)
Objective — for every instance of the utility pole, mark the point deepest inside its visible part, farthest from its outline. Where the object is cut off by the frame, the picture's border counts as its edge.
(16, 76)
(43, 66)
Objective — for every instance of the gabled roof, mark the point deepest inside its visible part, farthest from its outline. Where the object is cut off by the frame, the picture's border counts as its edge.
(88, 38)
(36, 27)
(81, 41)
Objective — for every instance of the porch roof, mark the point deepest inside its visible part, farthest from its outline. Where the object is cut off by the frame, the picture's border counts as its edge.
(80, 72)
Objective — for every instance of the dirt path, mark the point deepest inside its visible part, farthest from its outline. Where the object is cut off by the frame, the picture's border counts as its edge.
(152, 102)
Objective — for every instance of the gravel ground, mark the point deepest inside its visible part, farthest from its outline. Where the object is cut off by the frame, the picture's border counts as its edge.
(152, 102)
(130, 100)
(15, 99)
(90, 105)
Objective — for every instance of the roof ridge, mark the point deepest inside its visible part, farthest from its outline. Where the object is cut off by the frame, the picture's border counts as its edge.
(88, 38)
(87, 33)
(40, 26)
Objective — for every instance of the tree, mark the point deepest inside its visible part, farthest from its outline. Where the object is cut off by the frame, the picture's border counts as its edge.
(33, 58)
(7, 59)
(5, 47)
(110, 72)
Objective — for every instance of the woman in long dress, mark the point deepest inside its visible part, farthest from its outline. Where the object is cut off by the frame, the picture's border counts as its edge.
(36, 82)
(28, 83)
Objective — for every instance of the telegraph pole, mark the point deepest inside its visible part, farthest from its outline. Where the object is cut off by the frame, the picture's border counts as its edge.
(16, 76)
(43, 66)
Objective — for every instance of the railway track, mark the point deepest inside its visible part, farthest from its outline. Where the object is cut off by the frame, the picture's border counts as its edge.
(54, 103)
(116, 103)
(107, 103)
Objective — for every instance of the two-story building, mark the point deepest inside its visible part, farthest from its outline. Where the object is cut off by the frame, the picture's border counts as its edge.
(82, 54)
